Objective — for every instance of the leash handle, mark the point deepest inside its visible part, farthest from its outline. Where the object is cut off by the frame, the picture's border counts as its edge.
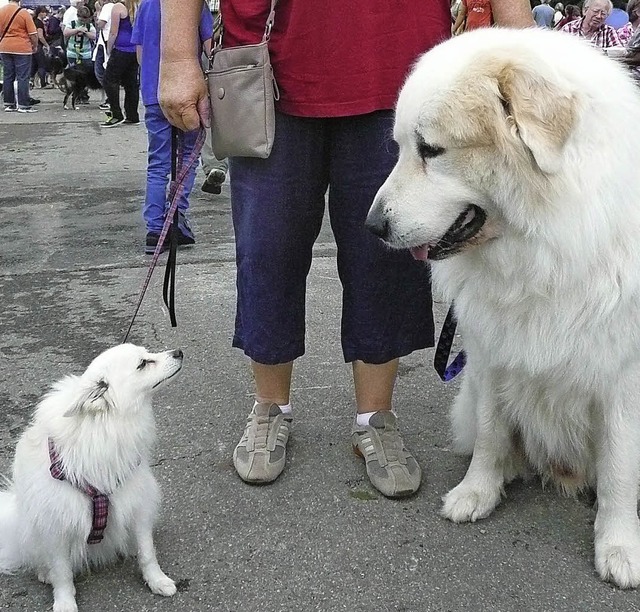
(443, 350)
(175, 189)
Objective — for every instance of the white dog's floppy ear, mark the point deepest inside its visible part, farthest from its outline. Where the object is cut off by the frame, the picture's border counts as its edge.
(542, 110)
(92, 397)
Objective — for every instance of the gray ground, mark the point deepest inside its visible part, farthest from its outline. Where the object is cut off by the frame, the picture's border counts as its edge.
(320, 538)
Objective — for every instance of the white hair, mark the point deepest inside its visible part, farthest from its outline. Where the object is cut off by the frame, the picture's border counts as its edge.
(587, 4)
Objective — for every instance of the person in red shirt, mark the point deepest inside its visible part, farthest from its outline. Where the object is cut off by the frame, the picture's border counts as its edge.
(473, 14)
(339, 67)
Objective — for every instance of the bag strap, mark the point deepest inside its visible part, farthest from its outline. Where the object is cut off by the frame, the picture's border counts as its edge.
(10, 22)
(267, 28)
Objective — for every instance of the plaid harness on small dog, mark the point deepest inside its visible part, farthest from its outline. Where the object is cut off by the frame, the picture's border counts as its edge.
(99, 500)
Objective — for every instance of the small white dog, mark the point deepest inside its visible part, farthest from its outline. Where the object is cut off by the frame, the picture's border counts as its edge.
(82, 491)
(519, 177)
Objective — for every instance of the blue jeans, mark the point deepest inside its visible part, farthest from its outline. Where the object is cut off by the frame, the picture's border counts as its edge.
(159, 168)
(278, 205)
(16, 68)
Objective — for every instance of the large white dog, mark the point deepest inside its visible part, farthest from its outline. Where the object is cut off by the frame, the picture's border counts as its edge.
(519, 176)
(82, 491)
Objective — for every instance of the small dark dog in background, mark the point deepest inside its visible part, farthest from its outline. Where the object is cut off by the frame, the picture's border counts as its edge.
(76, 79)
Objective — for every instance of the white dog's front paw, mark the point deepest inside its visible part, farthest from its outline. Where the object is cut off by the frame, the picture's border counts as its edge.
(65, 605)
(162, 585)
(619, 562)
(468, 503)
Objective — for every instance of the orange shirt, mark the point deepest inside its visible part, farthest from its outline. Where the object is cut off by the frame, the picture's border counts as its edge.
(478, 14)
(16, 40)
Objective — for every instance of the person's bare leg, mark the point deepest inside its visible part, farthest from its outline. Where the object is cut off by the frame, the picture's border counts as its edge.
(273, 382)
(374, 384)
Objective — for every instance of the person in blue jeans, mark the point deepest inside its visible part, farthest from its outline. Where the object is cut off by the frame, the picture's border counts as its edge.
(146, 37)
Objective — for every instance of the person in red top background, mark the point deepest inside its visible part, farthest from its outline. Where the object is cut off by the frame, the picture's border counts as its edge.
(339, 67)
(477, 14)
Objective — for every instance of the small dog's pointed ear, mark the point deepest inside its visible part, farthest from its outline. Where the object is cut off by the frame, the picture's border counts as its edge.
(91, 398)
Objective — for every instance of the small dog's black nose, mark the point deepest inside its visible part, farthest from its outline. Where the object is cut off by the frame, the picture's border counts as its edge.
(377, 223)
(177, 354)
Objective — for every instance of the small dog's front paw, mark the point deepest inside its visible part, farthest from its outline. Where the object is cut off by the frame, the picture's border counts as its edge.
(467, 503)
(619, 563)
(162, 585)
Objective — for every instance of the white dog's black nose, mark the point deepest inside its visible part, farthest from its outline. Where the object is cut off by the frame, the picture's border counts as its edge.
(177, 354)
(377, 223)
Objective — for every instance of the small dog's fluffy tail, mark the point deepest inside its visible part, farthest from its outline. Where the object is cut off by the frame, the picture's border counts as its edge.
(10, 557)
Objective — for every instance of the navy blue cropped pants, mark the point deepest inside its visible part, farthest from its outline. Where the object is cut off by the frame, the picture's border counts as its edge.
(278, 205)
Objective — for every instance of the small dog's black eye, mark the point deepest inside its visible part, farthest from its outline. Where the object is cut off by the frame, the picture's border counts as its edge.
(142, 364)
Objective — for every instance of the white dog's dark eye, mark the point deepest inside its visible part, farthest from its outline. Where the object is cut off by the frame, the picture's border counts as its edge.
(144, 363)
(426, 150)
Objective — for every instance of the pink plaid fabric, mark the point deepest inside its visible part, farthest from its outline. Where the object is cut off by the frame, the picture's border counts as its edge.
(625, 33)
(604, 37)
(100, 500)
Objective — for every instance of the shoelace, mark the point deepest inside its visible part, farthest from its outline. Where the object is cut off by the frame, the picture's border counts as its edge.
(260, 427)
(391, 443)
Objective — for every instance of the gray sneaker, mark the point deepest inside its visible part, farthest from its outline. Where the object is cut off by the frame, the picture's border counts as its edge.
(390, 466)
(260, 454)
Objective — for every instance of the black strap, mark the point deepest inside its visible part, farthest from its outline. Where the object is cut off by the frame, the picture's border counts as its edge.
(10, 22)
(169, 285)
(443, 350)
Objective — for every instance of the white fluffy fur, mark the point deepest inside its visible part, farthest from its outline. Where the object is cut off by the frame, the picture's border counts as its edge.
(103, 429)
(542, 132)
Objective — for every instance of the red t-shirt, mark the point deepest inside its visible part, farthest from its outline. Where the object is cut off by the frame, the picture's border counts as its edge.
(336, 58)
(478, 14)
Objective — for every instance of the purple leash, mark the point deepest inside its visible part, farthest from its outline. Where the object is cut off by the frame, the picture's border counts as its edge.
(443, 350)
(179, 171)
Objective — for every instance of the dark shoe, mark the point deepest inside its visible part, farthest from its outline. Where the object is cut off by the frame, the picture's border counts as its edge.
(33, 101)
(213, 182)
(112, 122)
(132, 122)
(185, 229)
(152, 242)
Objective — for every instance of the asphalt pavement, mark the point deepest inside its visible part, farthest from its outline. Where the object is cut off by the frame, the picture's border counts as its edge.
(320, 538)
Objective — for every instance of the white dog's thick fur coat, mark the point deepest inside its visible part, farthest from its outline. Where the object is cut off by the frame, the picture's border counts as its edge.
(542, 133)
(103, 429)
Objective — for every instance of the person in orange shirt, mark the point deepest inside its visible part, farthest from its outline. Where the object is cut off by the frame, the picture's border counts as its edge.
(18, 41)
(477, 14)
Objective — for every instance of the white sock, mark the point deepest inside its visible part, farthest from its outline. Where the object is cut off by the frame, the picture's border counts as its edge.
(362, 418)
(286, 409)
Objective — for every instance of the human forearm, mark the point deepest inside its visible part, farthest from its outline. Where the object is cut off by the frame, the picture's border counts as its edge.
(33, 38)
(512, 13)
(180, 17)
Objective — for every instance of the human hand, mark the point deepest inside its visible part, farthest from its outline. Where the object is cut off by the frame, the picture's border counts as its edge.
(182, 94)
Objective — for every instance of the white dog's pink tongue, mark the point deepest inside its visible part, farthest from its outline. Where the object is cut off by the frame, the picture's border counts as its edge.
(420, 253)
